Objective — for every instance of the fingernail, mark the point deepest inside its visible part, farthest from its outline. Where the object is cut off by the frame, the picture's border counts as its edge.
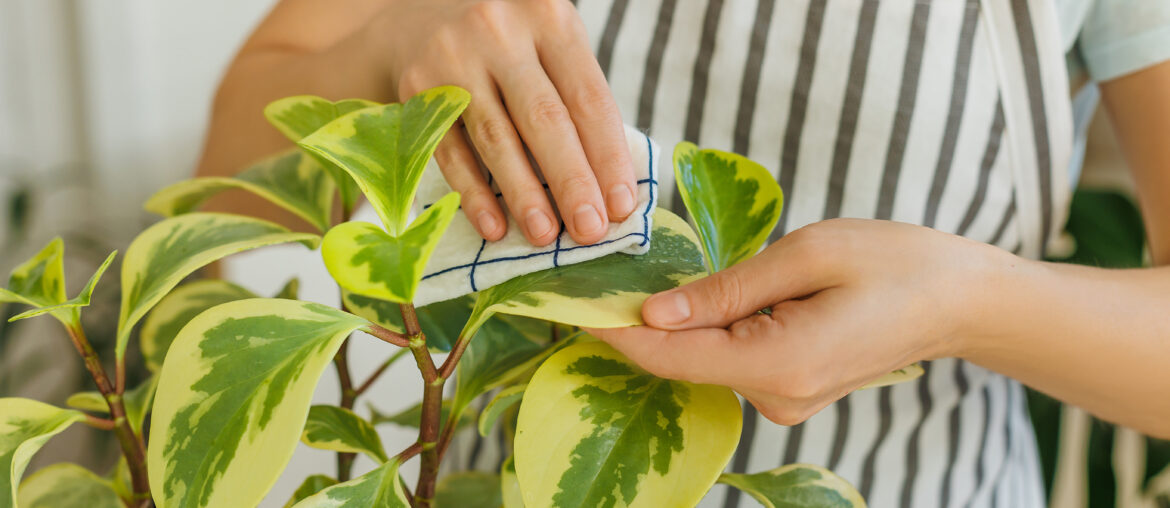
(488, 224)
(620, 200)
(669, 308)
(587, 220)
(538, 223)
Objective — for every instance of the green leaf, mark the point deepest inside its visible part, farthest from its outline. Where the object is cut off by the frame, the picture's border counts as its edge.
(606, 292)
(386, 148)
(160, 257)
(469, 489)
(299, 116)
(290, 290)
(67, 485)
(73, 305)
(25, 426)
(379, 487)
(312, 485)
(441, 322)
(411, 416)
(733, 201)
(365, 260)
(137, 402)
(502, 402)
(1108, 230)
(233, 397)
(596, 430)
(510, 485)
(290, 180)
(503, 350)
(796, 486)
(339, 429)
(171, 313)
(40, 281)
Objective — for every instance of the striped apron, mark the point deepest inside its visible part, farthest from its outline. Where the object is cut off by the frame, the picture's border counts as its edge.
(952, 114)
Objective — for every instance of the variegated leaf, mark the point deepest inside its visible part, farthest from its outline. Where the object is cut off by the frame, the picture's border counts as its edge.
(380, 487)
(898, 376)
(510, 485)
(733, 201)
(468, 489)
(365, 260)
(171, 313)
(499, 404)
(71, 307)
(67, 485)
(596, 430)
(292, 180)
(160, 257)
(797, 486)
(606, 292)
(386, 148)
(312, 485)
(503, 350)
(233, 396)
(301, 115)
(441, 322)
(411, 416)
(40, 281)
(339, 429)
(25, 426)
(137, 402)
(290, 289)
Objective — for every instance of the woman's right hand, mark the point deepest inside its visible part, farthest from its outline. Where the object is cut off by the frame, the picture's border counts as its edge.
(534, 83)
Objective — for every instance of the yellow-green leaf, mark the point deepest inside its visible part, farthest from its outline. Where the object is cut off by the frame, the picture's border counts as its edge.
(25, 426)
(72, 306)
(380, 487)
(290, 290)
(596, 430)
(365, 260)
(67, 485)
(468, 489)
(898, 376)
(40, 281)
(606, 292)
(88, 401)
(503, 401)
(339, 429)
(177, 308)
(160, 257)
(505, 349)
(290, 180)
(233, 396)
(386, 148)
(510, 485)
(733, 201)
(797, 485)
(301, 115)
(312, 485)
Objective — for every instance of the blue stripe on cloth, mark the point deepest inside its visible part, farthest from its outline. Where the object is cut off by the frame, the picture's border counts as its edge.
(557, 250)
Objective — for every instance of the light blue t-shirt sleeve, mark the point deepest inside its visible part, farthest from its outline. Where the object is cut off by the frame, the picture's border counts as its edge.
(1123, 36)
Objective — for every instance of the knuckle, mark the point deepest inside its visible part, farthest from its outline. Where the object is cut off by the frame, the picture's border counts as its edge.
(547, 112)
(412, 81)
(595, 101)
(575, 184)
(475, 194)
(493, 132)
(492, 16)
(725, 292)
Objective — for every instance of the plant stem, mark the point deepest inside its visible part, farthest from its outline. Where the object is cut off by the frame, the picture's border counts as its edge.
(132, 447)
(432, 407)
(408, 453)
(99, 423)
(390, 336)
(348, 397)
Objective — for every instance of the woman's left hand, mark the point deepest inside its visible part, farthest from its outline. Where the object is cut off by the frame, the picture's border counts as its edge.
(851, 300)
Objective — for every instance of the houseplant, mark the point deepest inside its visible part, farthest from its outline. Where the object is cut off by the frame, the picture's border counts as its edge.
(234, 373)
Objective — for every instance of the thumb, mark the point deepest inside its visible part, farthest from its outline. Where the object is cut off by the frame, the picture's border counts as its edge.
(781, 272)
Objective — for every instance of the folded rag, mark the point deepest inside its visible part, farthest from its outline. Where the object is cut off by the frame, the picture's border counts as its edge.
(464, 262)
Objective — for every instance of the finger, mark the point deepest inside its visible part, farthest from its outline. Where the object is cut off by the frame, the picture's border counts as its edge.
(499, 147)
(461, 170)
(574, 71)
(706, 356)
(548, 131)
(788, 269)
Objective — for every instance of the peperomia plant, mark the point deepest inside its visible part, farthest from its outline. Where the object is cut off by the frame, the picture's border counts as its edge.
(234, 373)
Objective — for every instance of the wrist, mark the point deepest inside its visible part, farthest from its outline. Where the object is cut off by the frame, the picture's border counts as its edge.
(998, 288)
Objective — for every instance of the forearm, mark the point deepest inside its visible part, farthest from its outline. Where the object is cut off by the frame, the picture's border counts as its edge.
(1096, 338)
(239, 135)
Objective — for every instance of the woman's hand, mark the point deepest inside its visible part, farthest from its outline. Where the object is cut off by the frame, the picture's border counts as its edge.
(534, 83)
(850, 300)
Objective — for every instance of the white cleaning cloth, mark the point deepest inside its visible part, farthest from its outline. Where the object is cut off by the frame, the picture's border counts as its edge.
(465, 263)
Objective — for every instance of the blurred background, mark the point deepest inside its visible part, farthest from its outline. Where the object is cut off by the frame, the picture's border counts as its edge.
(104, 102)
